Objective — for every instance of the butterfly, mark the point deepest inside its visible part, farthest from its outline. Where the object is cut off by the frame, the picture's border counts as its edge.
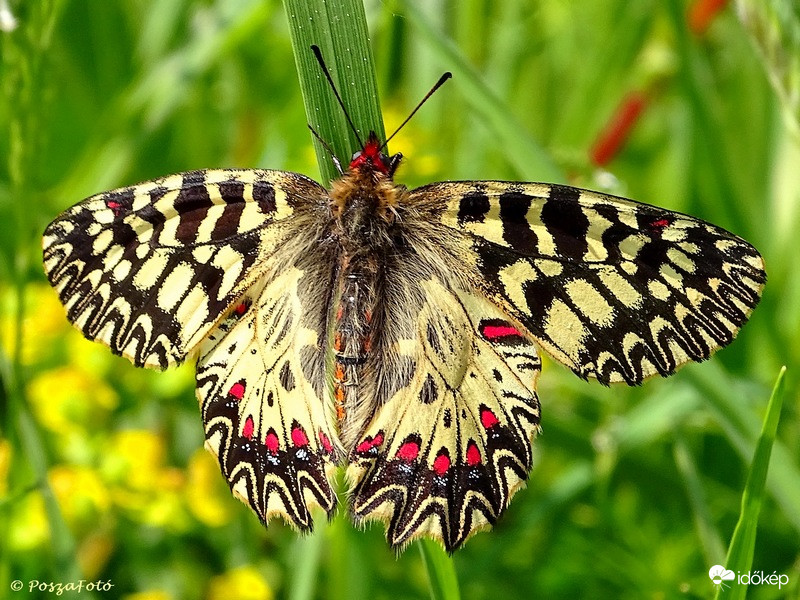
(393, 331)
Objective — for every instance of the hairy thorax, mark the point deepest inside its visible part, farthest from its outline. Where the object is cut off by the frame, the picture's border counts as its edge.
(365, 226)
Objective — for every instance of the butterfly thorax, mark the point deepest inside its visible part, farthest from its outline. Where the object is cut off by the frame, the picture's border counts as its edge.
(363, 206)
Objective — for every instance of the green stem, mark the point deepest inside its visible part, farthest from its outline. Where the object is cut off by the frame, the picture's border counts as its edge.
(743, 542)
(339, 28)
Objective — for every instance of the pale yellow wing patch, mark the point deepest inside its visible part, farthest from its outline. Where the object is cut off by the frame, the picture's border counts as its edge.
(445, 454)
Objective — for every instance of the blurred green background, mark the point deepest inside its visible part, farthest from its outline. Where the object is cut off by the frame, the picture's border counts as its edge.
(635, 492)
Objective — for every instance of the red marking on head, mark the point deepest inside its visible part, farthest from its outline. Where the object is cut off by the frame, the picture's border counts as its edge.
(496, 332)
(299, 437)
(240, 309)
(370, 155)
(488, 419)
(408, 451)
(441, 464)
(473, 454)
(237, 390)
(271, 441)
(248, 428)
(325, 441)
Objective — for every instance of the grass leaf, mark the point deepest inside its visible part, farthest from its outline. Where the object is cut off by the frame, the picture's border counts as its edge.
(442, 579)
(742, 547)
(339, 28)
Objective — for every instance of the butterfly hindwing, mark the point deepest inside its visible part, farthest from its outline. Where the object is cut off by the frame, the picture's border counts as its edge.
(444, 455)
(614, 289)
(149, 269)
(262, 408)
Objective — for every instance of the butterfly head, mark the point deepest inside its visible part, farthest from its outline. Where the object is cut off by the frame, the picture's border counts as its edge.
(371, 158)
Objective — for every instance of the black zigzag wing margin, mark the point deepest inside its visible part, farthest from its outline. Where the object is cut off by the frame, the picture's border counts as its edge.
(149, 269)
(615, 289)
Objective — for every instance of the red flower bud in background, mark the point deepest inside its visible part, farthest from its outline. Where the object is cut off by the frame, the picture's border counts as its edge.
(616, 132)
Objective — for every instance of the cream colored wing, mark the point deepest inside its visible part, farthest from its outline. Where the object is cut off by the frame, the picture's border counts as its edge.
(149, 269)
(614, 289)
(260, 385)
(443, 456)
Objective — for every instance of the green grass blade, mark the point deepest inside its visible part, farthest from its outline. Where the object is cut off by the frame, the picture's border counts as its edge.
(442, 579)
(740, 424)
(308, 554)
(774, 29)
(742, 547)
(529, 158)
(339, 28)
(713, 549)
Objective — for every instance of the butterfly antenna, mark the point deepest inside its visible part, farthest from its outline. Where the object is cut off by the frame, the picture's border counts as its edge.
(315, 49)
(328, 148)
(436, 86)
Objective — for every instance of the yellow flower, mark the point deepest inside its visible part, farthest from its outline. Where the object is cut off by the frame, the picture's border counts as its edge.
(142, 483)
(67, 400)
(44, 322)
(5, 465)
(149, 595)
(28, 528)
(80, 491)
(243, 583)
(136, 458)
(206, 495)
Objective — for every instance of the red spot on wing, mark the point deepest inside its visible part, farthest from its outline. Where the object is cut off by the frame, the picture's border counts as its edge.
(299, 437)
(496, 332)
(660, 223)
(408, 451)
(325, 441)
(240, 309)
(370, 442)
(473, 454)
(271, 441)
(488, 418)
(441, 464)
(237, 390)
(248, 428)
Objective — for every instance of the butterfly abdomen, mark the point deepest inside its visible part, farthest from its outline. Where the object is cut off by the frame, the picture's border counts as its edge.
(363, 206)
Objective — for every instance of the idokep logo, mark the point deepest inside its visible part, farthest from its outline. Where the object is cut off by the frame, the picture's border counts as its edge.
(719, 576)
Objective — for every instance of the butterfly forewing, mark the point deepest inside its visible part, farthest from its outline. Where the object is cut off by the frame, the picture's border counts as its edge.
(149, 269)
(614, 289)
